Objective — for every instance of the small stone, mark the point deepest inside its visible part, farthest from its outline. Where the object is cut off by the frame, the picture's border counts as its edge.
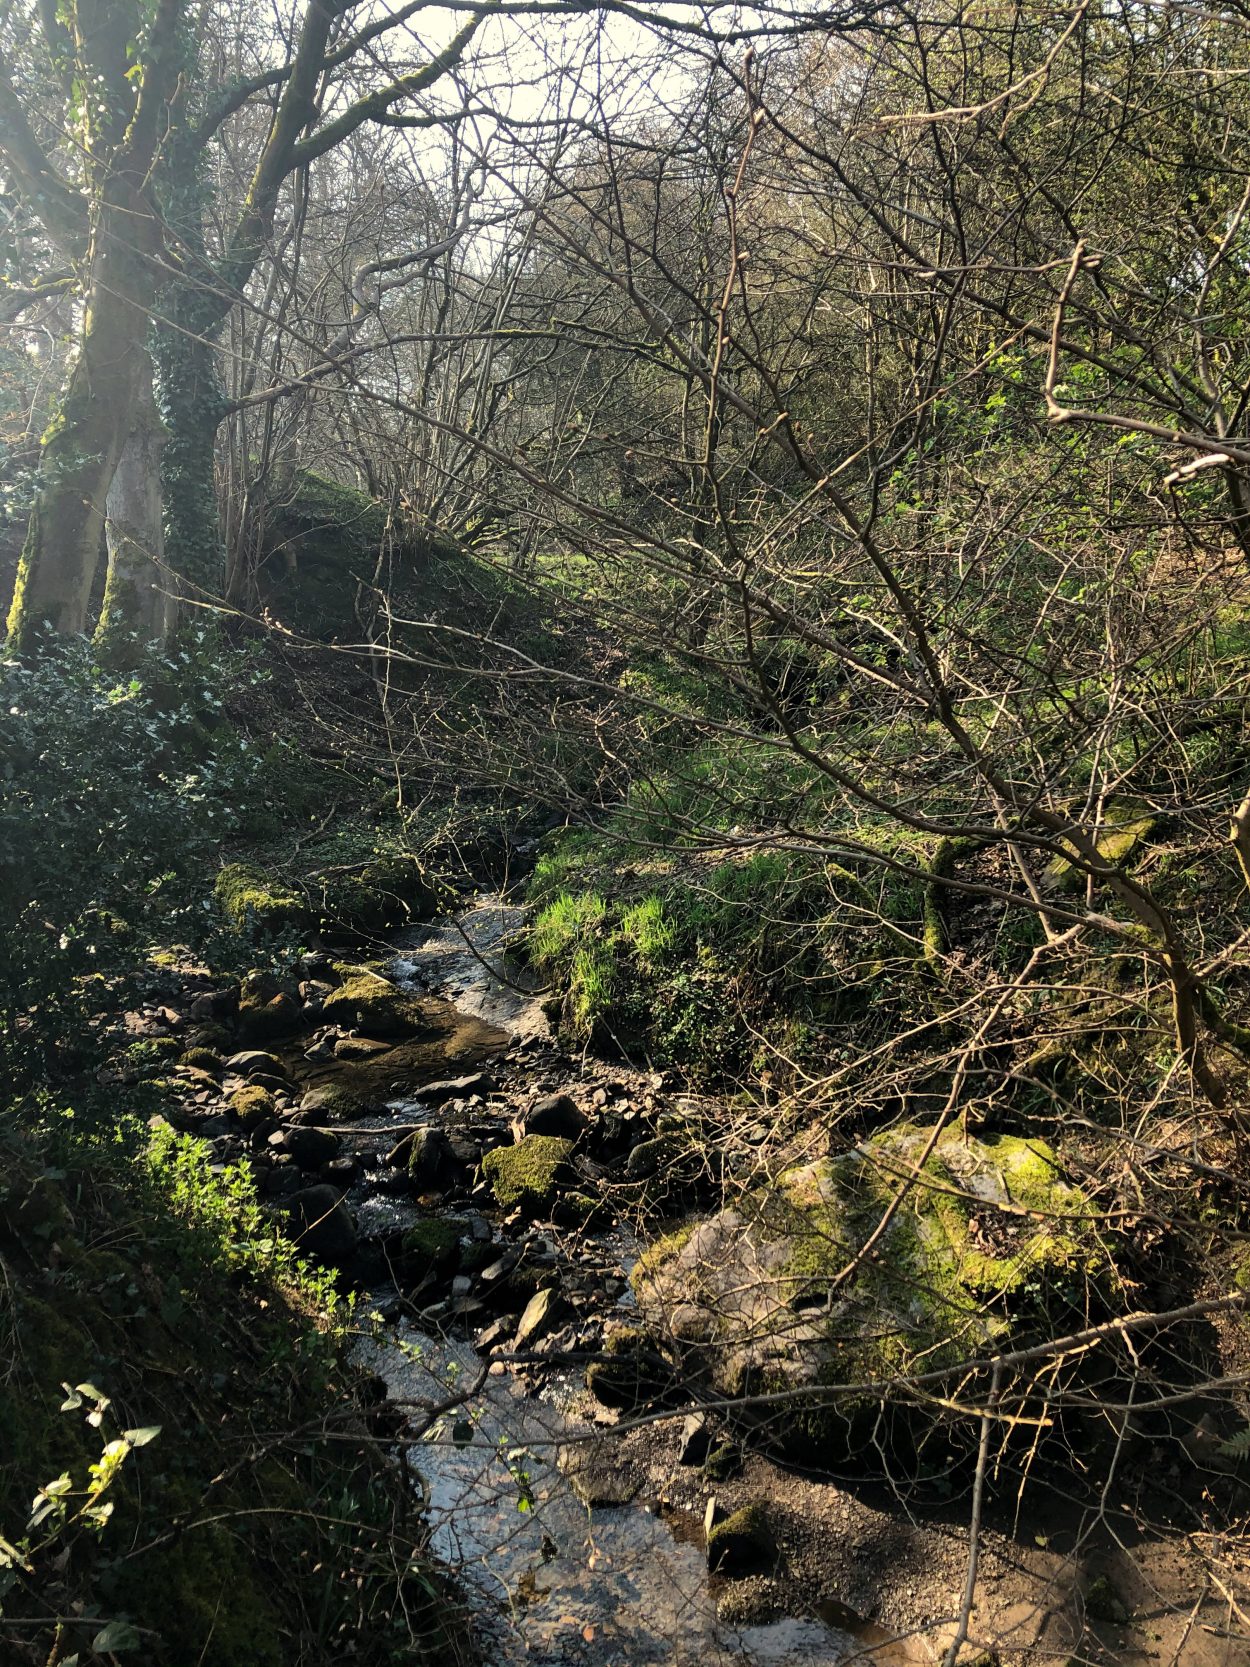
(543, 1312)
(359, 1047)
(494, 1336)
(451, 1088)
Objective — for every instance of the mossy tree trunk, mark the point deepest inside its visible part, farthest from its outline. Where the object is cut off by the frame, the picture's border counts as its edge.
(84, 441)
(140, 594)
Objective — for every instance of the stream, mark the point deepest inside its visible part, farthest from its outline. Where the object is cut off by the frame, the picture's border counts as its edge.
(554, 1581)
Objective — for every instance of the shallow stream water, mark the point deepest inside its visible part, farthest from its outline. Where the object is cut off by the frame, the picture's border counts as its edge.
(618, 1585)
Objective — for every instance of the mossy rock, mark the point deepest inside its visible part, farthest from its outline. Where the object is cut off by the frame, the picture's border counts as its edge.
(434, 1242)
(253, 1105)
(333, 1104)
(203, 1059)
(364, 1001)
(742, 1544)
(212, 1037)
(989, 1247)
(152, 1052)
(251, 898)
(391, 891)
(529, 1173)
(263, 1019)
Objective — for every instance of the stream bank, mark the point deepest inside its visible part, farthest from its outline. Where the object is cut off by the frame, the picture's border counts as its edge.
(580, 1529)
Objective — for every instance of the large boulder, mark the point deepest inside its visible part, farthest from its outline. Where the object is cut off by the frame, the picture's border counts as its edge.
(529, 1173)
(251, 898)
(389, 891)
(364, 1001)
(799, 1287)
(320, 1223)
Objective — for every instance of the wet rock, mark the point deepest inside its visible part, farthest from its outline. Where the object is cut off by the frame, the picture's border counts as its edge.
(321, 1223)
(309, 1148)
(453, 1088)
(740, 1544)
(360, 1047)
(494, 1336)
(332, 1103)
(554, 1114)
(432, 1244)
(527, 1175)
(281, 1180)
(255, 1062)
(545, 1310)
(695, 1440)
(341, 1172)
(431, 1162)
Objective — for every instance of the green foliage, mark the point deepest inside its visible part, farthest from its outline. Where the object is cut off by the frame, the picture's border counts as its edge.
(113, 799)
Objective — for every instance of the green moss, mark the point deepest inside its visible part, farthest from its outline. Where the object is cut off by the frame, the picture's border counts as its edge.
(987, 1228)
(527, 1173)
(387, 892)
(744, 1534)
(252, 1105)
(367, 1002)
(153, 1051)
(660, 1251)
(249, 897)
(436, 1240)
(1128, 825)
(203, 1059)
(335, 1104)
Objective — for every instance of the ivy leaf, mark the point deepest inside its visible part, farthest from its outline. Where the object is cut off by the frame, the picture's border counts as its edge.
(116, 1636)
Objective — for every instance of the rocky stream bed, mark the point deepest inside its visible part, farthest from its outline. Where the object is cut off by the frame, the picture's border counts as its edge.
(415, 1126)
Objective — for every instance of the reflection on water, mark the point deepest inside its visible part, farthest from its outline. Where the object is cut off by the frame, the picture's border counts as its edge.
(561, 1584)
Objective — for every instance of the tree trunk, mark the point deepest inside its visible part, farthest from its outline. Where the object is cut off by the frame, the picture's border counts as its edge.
(85, 439)
(140, 594)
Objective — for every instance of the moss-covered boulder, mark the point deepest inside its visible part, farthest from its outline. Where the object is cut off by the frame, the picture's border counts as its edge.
(985, 1244)
(251, 898)
(529, 1173)
(263, 1018)
(203, 1059)
(433, 1244)
(365, 1001)
(253, 1105)
(376, 896)
(742, 1543)
(329, 1102)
